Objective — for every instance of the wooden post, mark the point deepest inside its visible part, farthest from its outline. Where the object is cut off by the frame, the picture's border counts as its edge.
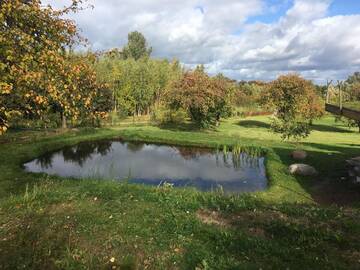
(328, 91)
(340, 86)
(341, 96)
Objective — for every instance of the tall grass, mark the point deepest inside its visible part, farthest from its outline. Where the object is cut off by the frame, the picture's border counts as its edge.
(241, 154)
(238, 149)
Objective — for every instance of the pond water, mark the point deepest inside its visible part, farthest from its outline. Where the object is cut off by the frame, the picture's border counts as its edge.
(205, 169)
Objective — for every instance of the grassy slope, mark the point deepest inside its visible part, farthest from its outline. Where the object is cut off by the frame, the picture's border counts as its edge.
(53, 223)
(352, 105)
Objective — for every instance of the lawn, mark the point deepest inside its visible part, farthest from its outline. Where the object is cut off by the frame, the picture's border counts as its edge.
(298, 223)
(355, 105)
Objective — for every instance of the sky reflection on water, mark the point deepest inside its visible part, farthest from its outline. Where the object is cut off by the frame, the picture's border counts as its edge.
(153, 164)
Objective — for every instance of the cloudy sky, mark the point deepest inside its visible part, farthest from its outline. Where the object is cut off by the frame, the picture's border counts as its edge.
(244, 39)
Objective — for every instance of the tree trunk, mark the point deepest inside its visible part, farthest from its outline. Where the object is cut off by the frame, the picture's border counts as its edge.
(217, 122)
(63, 121)
(43, 121)
(115, 104)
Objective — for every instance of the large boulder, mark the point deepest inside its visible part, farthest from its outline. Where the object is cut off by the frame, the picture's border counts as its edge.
(302, 169)
(299, 155)
(353, 166)
(354, 162)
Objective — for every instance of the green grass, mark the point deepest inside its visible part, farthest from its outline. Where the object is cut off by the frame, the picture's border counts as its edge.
(52, 223)
(353, 105)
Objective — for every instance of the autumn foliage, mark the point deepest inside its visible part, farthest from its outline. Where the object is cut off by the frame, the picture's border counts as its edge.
(36, 71)
(295, 104)
(206, 99)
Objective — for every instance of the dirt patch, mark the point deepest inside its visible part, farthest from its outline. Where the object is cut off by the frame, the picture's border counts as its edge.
(354, 257)
(61, 208)
(340, 194)
(244, 221)
(212, 218)
(258, 232)
(265, 216)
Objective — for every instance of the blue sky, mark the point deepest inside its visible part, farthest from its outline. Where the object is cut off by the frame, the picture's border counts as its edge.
(278, 8)
(344, 7)
(274, 10)
(243, 39)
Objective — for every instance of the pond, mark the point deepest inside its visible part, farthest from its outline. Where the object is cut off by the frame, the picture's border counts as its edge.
(205, 169)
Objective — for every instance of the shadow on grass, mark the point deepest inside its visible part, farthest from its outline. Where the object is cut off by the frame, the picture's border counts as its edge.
(253, 124)
(326, 128)
(188, 126)
(332, 185)
(317, 127)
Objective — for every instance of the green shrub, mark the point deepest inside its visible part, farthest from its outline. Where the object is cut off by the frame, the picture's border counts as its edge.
(165, 115)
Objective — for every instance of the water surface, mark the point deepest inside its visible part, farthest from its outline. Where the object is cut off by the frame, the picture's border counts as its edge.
(153, 164)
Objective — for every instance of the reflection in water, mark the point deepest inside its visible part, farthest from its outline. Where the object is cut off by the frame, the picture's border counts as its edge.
(155, 164)
(134, 147)
(83, 151)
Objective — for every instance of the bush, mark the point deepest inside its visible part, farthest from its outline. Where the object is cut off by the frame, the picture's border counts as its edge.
(165, 115)
(295, 103)
(51, 120)
(205, 99)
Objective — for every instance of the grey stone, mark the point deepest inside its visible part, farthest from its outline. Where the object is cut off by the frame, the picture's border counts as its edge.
(302, 169)
(353, 163)
(299, 154)
(351, 173)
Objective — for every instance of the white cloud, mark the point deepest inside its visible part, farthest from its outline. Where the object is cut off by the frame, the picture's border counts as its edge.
(215, 33)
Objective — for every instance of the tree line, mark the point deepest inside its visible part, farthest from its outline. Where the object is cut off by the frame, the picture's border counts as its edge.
(43, 79)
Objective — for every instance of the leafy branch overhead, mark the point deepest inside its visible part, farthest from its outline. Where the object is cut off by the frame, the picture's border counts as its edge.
(36, 71)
